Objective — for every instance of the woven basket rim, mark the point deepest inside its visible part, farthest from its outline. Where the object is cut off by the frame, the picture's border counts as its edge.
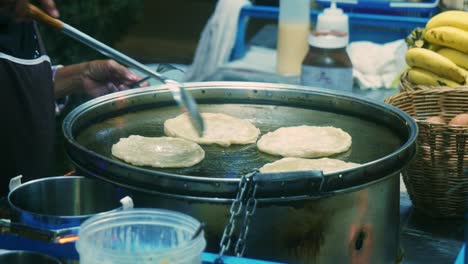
(406, 85)
(443, 91)
(439, 90)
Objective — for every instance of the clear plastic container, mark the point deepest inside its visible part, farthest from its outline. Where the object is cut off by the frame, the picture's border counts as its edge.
(293, 31)
(140, 236)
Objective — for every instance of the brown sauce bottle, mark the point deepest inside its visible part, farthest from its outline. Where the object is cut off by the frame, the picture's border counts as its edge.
(327, 65)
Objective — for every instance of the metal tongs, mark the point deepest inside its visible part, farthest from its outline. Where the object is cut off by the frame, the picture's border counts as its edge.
(182, 98)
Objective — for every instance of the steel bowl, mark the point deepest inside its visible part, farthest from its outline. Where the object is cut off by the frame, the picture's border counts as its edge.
(62, 202)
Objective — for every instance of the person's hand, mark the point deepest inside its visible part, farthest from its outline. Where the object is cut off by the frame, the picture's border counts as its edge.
(106, 76)
(50, 8)
(18, 8)
(95, 78)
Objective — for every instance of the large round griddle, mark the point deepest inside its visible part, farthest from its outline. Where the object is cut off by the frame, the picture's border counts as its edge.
(382, 135)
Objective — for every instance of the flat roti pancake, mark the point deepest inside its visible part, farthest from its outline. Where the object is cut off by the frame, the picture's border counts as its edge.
(158, 152)
(220, 129)
(299, 164)
(305, 141)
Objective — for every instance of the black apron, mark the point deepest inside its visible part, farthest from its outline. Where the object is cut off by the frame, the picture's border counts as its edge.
(27, 114)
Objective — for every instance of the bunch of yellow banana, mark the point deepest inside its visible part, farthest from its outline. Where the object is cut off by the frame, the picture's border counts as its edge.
(440, 58)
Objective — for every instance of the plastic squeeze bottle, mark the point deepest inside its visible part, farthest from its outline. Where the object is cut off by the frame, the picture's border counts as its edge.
(327, 64)
(293, 31)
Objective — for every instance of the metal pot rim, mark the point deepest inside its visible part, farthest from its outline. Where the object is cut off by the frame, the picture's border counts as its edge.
(267, 200)
(394, 158)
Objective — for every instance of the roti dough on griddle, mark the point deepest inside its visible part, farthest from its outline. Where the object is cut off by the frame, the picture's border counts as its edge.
(158, 152)
(299, 164)
(305, 141)
(220, 129)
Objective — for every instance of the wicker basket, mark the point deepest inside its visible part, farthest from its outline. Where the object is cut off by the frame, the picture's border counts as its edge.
(407, 86)
(436, 180)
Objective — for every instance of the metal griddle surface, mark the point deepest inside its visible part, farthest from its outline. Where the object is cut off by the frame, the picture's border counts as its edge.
(370, 140)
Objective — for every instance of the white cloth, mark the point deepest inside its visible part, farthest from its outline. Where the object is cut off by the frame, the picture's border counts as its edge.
(377, 65)
(217, 40)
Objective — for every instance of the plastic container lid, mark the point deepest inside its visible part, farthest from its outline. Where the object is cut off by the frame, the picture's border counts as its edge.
(140, 236)
(331, 20)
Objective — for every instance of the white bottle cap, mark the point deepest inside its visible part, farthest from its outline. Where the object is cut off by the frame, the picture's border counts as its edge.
(328, 41)
(331, 20)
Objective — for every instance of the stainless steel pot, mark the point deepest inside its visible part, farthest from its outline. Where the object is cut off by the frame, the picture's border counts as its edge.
(26, 257)
(349, 216)
(61, 202)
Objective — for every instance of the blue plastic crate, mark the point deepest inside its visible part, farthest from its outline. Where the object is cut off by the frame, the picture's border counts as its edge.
(423, 8)
(379, 28)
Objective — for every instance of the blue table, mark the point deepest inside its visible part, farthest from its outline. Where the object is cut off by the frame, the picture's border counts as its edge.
(461, 256)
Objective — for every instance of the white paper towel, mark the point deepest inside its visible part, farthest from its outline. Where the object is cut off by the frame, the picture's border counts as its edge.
(377, 65)
(217, 40)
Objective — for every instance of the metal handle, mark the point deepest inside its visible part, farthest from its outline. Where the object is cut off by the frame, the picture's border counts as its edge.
(110, 52)
(182, 98)
(72, 32)
(15, 182)
(294, 182)
(288, 176)
(61, 236)
(127, 203)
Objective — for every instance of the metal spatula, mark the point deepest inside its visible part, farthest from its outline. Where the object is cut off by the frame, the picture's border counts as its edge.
(182, 98)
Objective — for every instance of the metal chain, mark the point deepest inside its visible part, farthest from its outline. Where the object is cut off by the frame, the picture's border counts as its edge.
(243, 194)
(250, 208)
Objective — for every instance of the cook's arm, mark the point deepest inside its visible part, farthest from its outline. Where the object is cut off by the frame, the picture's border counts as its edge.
(67, 80)
(95, 78)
